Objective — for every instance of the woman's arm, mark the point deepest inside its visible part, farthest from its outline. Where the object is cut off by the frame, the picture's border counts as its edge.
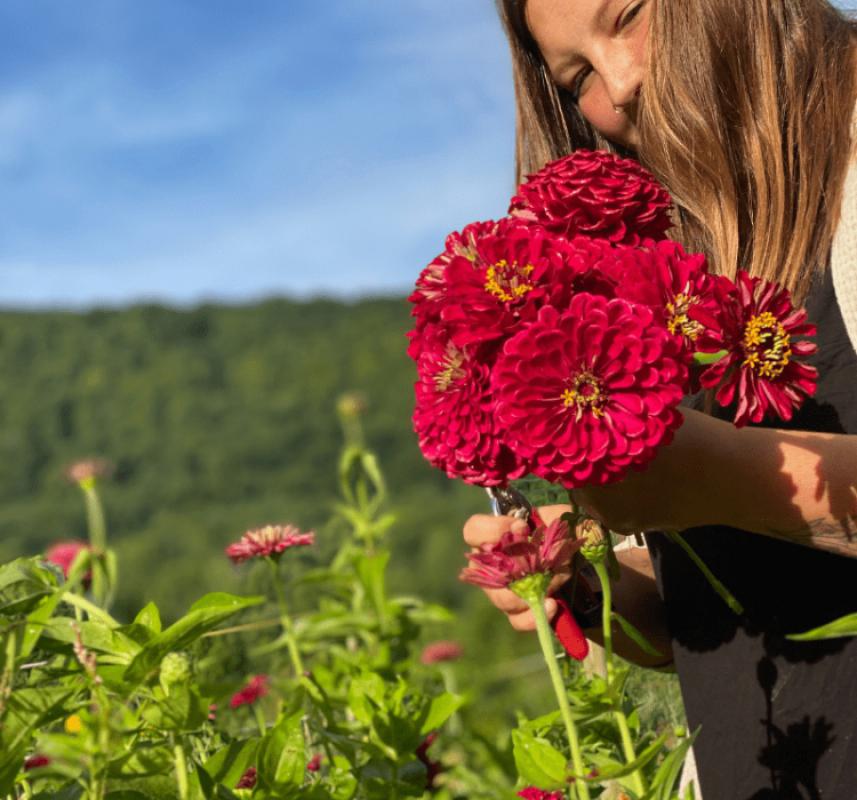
(797, 486)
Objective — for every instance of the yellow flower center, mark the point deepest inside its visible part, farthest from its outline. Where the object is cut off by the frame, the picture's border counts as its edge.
(678, 320)
(585, 394)
(508, 282)
(451, 370)
(767, 348)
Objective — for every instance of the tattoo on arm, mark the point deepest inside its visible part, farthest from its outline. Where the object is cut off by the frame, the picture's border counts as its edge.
(834, 536)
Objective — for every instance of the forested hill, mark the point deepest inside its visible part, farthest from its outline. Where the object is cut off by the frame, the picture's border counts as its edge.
(217, 419)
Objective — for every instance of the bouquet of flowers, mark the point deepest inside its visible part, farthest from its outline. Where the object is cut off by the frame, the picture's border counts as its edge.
(559, 341)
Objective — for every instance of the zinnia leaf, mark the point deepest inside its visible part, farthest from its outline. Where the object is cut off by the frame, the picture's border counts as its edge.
(844, 626)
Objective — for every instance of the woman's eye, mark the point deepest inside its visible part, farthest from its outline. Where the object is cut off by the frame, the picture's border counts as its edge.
(630, 16)
(577, 84)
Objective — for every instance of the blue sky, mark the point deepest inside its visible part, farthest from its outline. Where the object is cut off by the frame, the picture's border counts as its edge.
(188, 150)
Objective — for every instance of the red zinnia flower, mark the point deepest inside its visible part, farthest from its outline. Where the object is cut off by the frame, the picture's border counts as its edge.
(268, 542)
(63, 555)
(36, 761)
(248, 779)
(256, 688)
(531, 793)
(435, 652)
(546, 550)
(454, 415)
(314, 764)
(595, 193)
(588, 393)
(758, 324)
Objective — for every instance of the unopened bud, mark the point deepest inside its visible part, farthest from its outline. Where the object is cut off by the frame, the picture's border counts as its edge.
(175, 668)
(596, 542)
(351, 405)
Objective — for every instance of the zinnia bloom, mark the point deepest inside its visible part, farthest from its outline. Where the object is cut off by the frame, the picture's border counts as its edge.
(88, 469)
(546, 550)
(268, 542)
(248, 779)
(588, 393)
(36, 761)
(454, 416)
(435, 652)
(314, 764)
(63, 555)
(597, 194)
(763, 368)
(531, 793)
(256, 688)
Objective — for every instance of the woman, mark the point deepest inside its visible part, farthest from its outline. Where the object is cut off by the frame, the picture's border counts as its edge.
(743, 109)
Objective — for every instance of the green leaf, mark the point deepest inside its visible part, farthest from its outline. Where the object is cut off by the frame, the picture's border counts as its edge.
(282, 755)
(371, 571)
(668, 773)
(95, 636)
(149, 617)
(538, 762)
(844, 626)
(23, 584)
(440, 710)
(634, 634)
(36, 621)
(229, 763)
(204, 615)
(609, 770)
(712, 579)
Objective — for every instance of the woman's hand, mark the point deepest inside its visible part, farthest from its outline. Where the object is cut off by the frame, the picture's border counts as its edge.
(485, 529)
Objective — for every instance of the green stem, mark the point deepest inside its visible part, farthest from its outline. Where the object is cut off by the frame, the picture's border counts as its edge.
(260, 718)
(718, 587)
(97, 540)
(621, 719)
(546, 642)
(90, 608)
(285, 620)
(181, 769)
(451, 686)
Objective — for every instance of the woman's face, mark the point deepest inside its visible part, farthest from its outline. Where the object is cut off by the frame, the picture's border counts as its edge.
(596, 49)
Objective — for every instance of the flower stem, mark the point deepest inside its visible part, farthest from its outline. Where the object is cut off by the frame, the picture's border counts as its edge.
(546, 642)
(718, 587)
(97, 540)
(621, 719)
(285, 620)
(181, 769)
(260, 719)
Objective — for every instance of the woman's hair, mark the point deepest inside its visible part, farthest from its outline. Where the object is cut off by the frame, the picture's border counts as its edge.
(745, 116)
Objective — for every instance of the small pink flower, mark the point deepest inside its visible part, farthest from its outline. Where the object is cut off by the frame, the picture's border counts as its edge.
(268, 542)
(531, 793)
(586, 394)
(63, 555)
(546, 550)
(88, 470)
(248, 779)
(435, 652)
(597, 194)
(212, 712)
(256, 688)
(36, 761)
(764, 370)
(314, 764)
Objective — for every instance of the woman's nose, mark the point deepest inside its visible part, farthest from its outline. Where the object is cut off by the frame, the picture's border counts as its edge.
(623, 90)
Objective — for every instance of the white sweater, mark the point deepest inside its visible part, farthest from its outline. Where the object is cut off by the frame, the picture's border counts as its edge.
(843, 257)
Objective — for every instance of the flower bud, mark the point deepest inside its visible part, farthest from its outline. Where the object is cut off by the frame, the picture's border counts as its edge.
(175, 668)
(596, 542)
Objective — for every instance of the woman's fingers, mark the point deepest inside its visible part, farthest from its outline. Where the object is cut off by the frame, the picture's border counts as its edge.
(485, 528)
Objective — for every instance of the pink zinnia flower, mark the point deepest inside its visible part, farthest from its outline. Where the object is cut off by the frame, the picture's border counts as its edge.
(248, 779)
(435, 652)
(546, 550)
(763, 369)
(588, 393)
(595, 193)
(314, 764)
(63, 555)
(268, 542)
(454, 416)
(88, 469)
(256, 688)
(531, 793)
(36, 761)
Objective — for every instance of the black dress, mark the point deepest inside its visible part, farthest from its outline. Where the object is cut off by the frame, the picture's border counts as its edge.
(778, 718)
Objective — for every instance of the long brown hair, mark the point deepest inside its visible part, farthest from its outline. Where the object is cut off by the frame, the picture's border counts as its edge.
(745, 116)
